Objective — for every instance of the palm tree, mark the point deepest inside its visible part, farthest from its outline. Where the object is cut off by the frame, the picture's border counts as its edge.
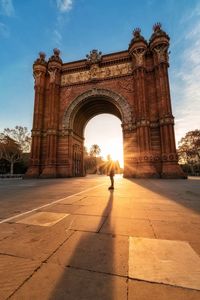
(94, 152)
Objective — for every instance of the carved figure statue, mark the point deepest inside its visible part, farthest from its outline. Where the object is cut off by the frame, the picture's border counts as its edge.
(161, 51)
(36, 75)
(52, 74)
(139, 56)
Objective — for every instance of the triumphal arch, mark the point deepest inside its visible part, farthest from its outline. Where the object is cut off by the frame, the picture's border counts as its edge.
(132, 84)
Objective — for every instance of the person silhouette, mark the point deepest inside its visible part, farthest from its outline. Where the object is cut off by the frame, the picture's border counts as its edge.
(111, 173)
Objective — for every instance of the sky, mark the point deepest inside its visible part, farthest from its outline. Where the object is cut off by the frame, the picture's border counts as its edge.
(78, 26)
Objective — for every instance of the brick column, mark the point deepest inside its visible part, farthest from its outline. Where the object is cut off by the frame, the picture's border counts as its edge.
(39, 73)
(159, 44)
(54, 72)
(137, 50)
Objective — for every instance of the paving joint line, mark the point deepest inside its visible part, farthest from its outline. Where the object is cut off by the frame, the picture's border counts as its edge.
(49, 204)
(45, 260)
(94, 271)
(25, 280)
(16, 256)
(38, 268)
(154, 233)
(165, 284)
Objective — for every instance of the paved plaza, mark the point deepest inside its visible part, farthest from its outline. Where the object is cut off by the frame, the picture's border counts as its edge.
(74, 239)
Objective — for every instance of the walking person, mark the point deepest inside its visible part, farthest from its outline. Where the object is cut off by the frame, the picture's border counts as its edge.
(111, 173)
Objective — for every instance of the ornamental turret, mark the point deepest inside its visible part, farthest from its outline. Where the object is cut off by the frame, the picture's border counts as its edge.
(54, 66)
(137, 48)
(159, 44)
(39, 69)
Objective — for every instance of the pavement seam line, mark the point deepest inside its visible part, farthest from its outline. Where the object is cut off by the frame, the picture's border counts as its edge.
(161, 283)
(152, 229)
(38, 268)
(25, 280)
(94, 271)
(72, 233)
(16, 256)
(48, 204)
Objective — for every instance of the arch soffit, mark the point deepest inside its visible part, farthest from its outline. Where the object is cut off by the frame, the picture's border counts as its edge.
(119, 101)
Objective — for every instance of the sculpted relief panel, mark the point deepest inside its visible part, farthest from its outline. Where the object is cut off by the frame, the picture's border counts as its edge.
(96, 72)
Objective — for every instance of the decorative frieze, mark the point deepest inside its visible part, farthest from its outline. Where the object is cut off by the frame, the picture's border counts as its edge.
(98, 73)
(167, 120)
(36, 133)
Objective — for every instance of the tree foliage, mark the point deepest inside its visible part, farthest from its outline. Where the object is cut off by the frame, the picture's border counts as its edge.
(189, 151)
(189, 147)
(21, 135)
(13, 143)
(95, 150)
(10, 151)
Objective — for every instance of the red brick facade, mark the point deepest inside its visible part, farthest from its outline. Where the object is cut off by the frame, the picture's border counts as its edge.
(133, 85)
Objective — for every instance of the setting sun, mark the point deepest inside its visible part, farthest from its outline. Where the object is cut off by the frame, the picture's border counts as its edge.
(105, 130)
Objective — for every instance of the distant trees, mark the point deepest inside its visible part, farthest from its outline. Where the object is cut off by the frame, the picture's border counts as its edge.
(92, 159)
(95, 150)
(10, 151)
(21, 136)
(14, 144)
(189, 152)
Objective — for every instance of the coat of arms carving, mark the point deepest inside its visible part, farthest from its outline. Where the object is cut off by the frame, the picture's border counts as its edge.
(94, 57)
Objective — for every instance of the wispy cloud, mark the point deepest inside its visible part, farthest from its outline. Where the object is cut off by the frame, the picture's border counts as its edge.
(186, 84)
(7, 8)
(57, 37)
(64, 5)
(4, 31)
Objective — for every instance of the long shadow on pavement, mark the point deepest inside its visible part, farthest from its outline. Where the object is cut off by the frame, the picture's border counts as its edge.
(182, 192)
(87, 261)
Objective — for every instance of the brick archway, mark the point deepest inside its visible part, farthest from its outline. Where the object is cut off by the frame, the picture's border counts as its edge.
(132, 84)
(123, 107)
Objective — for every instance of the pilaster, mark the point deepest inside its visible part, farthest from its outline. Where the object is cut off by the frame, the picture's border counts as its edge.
(39, 73)
(159, 44)
(54, 79)
(137, 49)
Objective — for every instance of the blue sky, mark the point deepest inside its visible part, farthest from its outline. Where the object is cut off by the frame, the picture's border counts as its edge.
(78, 26)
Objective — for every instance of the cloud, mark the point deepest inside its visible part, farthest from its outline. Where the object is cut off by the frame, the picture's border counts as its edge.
(64, 5)
(186, 88)
(4, 31)
(57, 37)
(7, 8)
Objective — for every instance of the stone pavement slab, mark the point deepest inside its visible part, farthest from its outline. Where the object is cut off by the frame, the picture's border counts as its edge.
(182, 231)
(94, 252)
(95, 200)
(94, 210)
(72, 200)
(34, 242)
(43, 218)
(130, 227)
(86, 223)
(61, 208)
(163, 261)
(53, 282)
(14, 271)
(141, 290)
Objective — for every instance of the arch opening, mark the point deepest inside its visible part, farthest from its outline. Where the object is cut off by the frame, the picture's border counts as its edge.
(91, 108)
(105, 131)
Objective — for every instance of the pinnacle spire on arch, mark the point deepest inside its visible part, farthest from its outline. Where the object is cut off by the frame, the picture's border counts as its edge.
(137, 37)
